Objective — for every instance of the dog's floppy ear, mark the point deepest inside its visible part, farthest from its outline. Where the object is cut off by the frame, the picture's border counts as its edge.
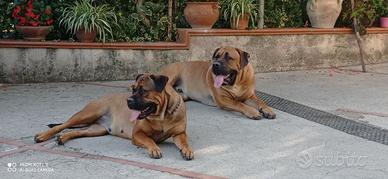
(138, 76)
(244, 56)
(160, 82)
(215, 52)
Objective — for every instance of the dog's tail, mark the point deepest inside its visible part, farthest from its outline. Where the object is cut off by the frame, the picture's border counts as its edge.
(73, 127)
(53, 125)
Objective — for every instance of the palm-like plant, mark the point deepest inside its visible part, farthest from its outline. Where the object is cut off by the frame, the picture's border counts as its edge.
(84, 15)
(234, 10)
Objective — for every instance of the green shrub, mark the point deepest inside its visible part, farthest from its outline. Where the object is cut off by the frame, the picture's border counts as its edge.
(148, 23)
(381, 7)
(285, 13)
(6, 25)
(364, 12)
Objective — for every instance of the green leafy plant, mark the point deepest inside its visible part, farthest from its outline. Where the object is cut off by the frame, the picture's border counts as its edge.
(233, 10)
(148, 22)
(6, 27)
(381, 7)
(281, 13)
(84, 14)
(364, 12)
(202, 1)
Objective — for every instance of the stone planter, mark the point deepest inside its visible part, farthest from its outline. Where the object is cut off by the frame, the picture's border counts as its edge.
(242, 22)
(384, 22)
(201, 15)
(84, 36)
(34, 33)
(323, 13)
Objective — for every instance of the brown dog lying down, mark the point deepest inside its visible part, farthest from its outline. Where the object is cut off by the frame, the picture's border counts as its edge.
(153, 113)
(228, 81)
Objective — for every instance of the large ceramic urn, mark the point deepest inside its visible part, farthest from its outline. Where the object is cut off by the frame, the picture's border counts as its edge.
(201, 15)
(323, 13)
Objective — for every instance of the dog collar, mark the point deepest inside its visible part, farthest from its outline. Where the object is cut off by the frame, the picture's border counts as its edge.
(173, 109)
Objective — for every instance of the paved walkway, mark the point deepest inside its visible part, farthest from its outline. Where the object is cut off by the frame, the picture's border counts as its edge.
(226, 144)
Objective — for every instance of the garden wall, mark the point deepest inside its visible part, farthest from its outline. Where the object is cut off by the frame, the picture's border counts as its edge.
(270, 50)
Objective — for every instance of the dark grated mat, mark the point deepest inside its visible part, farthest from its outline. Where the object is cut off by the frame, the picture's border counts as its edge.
(352, 127)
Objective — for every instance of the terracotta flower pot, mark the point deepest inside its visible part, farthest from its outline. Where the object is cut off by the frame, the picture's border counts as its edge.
(323, 13)
(201, 15)
(384, 22)
(84, 36)
(34, 33)
(242, 22)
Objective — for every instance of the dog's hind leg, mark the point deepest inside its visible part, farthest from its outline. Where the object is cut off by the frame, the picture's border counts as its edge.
(93, 131)
(88, 115)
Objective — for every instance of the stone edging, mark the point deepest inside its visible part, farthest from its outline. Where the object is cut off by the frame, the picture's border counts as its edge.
(183, 40)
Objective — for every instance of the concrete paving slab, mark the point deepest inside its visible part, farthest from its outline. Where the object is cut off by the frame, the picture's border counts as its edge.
(354, 95)
(225, 143)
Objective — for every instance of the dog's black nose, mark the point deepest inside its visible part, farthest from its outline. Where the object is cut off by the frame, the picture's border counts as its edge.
(216, 65)
(130, 100)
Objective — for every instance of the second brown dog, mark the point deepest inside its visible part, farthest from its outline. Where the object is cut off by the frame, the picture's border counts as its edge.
(227, 81)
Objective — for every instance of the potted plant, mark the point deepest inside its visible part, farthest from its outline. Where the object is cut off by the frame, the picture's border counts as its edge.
(88, 21)
(239, 12)
(201, 14)
(33, 18)
(381, 8)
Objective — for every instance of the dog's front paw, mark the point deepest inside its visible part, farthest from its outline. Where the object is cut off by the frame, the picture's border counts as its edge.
(268, 113)
(60, 140)
(187, 153)
(41, 137)
(253, 114)
(155, 153)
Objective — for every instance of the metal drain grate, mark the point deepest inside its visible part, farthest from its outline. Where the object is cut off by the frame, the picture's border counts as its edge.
(363, 130)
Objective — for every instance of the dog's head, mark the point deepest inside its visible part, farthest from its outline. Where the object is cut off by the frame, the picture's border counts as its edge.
(226, 63)
(147, 96)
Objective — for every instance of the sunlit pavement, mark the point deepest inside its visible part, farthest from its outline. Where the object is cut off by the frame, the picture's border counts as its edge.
(226, 144)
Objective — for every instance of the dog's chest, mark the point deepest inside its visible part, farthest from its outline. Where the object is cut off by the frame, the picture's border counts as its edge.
(235, 91)
(160, 133)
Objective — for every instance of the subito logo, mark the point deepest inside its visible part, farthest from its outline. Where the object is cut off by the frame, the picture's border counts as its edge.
(304, 159)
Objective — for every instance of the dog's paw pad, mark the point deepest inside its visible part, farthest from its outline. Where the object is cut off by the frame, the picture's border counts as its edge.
(155, 153)
(253, 114)
(257, 117)
(268, 113)
(37, 139)
(187, 154)
(40, 138)
(59, 140)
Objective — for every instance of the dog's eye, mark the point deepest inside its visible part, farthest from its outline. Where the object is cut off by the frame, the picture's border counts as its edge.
(141, 91)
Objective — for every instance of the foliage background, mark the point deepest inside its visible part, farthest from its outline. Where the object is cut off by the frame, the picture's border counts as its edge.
(151, 22)
(5, 19)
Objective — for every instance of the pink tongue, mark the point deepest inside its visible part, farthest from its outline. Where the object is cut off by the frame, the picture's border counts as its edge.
(134, 115)
(219, 80)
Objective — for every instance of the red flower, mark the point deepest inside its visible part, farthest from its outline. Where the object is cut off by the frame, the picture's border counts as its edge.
(48, 10)
(50, 22)
(30, 2)
(26, 12)
(22, 21)
(16, 11)
(34, 23)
